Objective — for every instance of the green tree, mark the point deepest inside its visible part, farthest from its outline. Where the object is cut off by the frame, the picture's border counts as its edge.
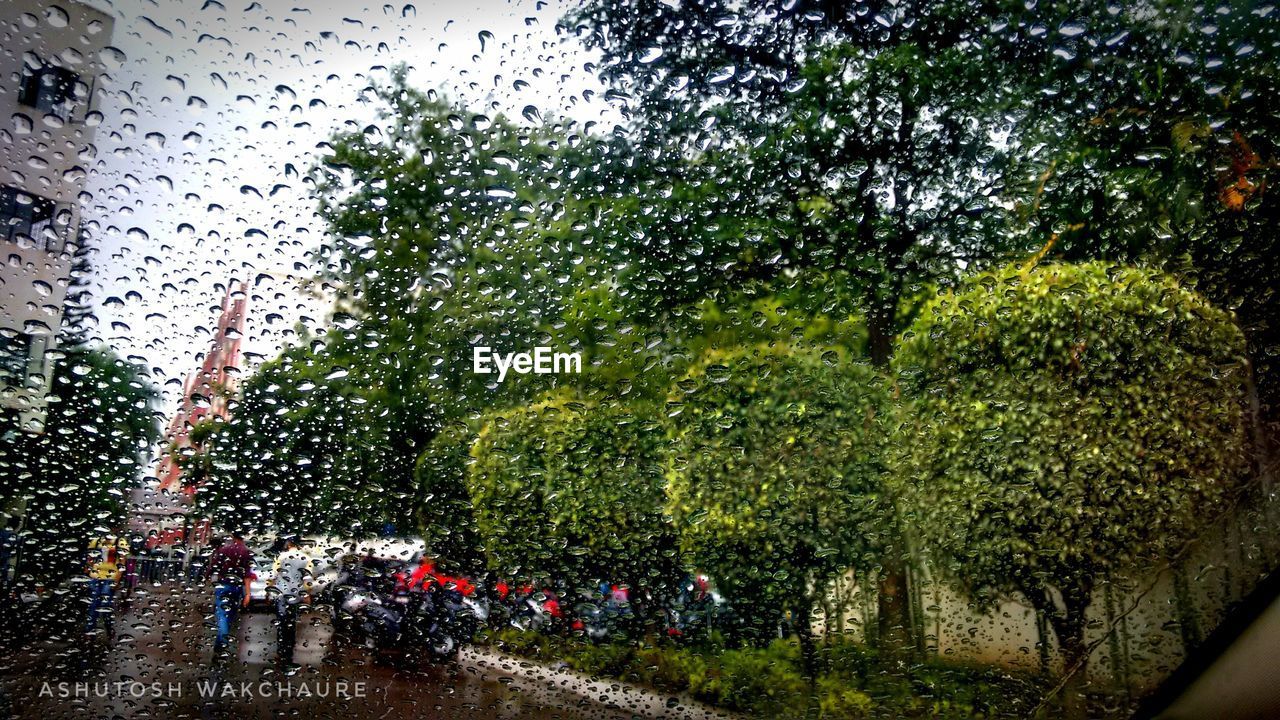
(871, 146)
(776, 478)
(1069, 424)
(790, 140)
(74, 478)
(322, 439)
(451, 228)
(1156, 140)
(443, 506)
(572, 490)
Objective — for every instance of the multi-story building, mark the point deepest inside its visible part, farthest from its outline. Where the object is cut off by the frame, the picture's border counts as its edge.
(51, 67)
(162, 508)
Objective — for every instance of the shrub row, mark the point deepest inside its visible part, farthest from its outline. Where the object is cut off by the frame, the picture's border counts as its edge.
(852, 683)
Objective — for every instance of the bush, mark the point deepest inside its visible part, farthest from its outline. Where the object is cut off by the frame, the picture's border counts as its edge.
(766, 681)
(778, 452)
(838, 701)
(602, 660)
(526, 643)
(1068, 425)
(846, 658)
(671, 669)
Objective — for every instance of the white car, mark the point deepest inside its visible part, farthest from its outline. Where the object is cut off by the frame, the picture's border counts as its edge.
(324, 573)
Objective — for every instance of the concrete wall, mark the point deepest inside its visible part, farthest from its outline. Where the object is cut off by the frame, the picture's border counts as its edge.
(1140, 628)
(50, 157)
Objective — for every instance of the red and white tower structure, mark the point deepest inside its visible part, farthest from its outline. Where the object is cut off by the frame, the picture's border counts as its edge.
(163, 511)
(207, 390)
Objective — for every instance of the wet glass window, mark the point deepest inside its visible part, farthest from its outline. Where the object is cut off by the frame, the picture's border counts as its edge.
(48, 89)
(639, 359)
(15, 350)
(25, 215)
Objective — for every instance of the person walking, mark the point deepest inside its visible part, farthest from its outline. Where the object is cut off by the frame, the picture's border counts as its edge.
(291, 578)
(8, 550)
(231, 567)
(106, 555)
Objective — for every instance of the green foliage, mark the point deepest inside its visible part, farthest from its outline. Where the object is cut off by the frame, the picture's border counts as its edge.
(445, 516)
(775, 478)
(670, 669)
(603, 660)
(322, 439)
(776, 140)
(100, 427)
(768, 682)
(838, 701)
(1161, 148)
(450, 229)
(1069, 423)
(453, 229)
(572, 492)
(765, 680)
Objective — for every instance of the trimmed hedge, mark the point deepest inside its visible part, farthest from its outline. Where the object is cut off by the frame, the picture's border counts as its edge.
(768, 681)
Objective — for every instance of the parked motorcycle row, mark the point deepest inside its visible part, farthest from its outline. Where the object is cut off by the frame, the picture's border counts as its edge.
(414, 611)
(378, 604)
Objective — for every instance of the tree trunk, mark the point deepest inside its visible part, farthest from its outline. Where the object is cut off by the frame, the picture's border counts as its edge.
(1042, 633)
(1188, 623)
(880, 322)
(893, 623)
(808, 646)
(893, 626)
(1257, 430)
(1069, 627)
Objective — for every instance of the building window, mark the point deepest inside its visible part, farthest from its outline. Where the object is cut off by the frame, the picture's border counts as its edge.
(24, 214)
(49, 89)
(15, 353)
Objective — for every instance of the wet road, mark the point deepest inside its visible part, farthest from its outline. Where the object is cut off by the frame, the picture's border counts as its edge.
(160, 664)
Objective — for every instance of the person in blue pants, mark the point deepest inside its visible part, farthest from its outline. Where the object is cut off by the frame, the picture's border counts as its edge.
(101, 597)
(231, 566)
(106, 554)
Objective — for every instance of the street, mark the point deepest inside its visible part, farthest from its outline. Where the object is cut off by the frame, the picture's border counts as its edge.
(160, 664)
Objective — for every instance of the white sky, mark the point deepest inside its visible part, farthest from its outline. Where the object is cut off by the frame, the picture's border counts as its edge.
(213, 97)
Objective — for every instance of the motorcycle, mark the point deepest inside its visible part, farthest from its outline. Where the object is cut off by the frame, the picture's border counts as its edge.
(698, 610)
(436, 620)
(532, 610)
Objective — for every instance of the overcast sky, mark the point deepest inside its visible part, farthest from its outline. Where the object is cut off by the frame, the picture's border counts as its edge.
(215, 114)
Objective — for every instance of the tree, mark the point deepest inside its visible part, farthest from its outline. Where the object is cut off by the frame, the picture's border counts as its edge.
(1155, 140)
(572, 490)
(443, 506)
(99, 430)
(788, 139)
(451, 228)
(322, 439)
(1068, 424)
(870, 145)
(776, 475)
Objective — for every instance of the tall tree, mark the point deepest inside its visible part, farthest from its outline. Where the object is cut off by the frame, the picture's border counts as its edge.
(866, 143)
(449, 229)
(1070, 424)
(776, 480)
(1155, 139)
(74, 477)
(321, 440)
